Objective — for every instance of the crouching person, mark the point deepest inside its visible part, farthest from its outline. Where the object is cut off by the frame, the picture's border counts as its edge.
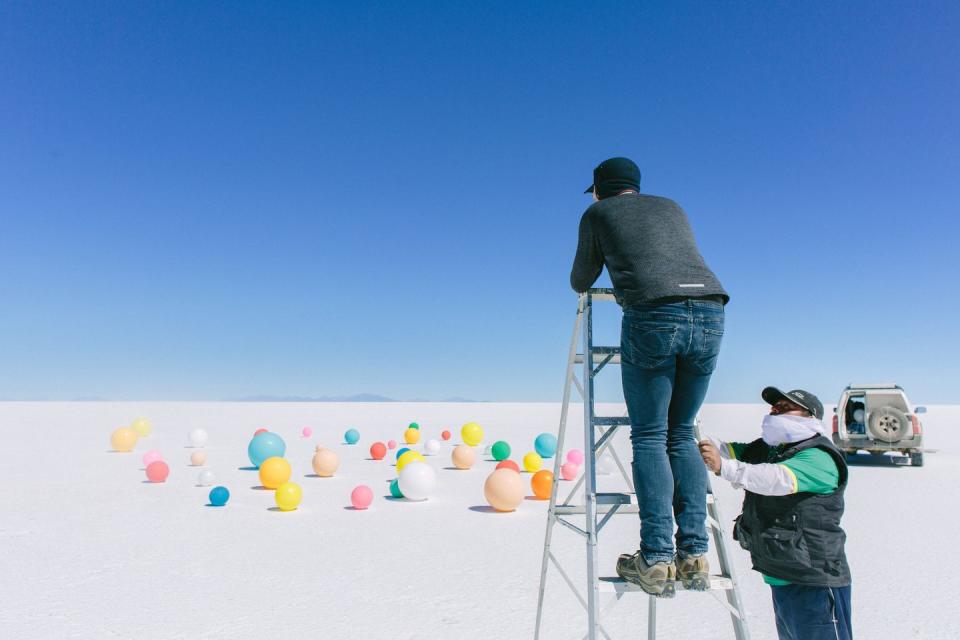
(794, 479)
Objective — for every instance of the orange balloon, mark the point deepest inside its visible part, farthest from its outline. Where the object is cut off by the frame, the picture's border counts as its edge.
(542, 484)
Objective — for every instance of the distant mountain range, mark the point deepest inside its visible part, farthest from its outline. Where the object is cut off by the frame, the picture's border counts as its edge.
(359, 397)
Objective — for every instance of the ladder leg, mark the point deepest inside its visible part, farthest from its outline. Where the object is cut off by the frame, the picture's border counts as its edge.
(651, 618)
(556, 473)
(590, 497)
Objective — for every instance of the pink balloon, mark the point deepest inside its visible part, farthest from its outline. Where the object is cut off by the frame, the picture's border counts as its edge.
(391, 444)
(151, 456)
(361, 497)
(259, 431)
(569, 471)
(307, 432)
(575, 456)
(157, 471)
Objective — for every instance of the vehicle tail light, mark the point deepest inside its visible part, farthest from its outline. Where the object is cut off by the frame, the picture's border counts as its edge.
(836, 424)
(917, 427)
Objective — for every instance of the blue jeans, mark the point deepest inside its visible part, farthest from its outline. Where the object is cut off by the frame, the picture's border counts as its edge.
(668, 353)
(812, 613)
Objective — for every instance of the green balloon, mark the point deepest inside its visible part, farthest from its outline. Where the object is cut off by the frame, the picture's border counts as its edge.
(414, 425)
(395, 488)
(500, 450)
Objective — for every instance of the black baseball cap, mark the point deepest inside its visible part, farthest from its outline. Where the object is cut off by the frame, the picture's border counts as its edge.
(615, 175)
(803, 398)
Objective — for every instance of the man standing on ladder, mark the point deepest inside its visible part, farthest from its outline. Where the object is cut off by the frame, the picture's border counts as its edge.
(670, 339)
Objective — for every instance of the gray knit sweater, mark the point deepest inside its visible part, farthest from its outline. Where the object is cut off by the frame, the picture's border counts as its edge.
(648, 247)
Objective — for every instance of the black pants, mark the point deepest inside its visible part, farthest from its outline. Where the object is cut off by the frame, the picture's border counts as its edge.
(812, 613)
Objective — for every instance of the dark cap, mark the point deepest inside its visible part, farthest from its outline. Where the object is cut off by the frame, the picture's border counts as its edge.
(803, 398)
(615, 175)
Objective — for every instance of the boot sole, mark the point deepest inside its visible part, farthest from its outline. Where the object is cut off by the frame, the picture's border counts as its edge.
(699, 582)
(664, 589)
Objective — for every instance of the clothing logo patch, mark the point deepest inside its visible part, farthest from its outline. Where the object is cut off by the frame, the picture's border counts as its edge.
(687, 286)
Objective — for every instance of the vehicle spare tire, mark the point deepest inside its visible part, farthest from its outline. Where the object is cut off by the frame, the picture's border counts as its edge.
(888, 424)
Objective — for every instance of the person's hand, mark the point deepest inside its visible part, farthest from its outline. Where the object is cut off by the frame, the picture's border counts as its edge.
(711, 455)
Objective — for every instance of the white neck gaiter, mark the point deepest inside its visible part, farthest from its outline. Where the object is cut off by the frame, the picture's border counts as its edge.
(780, 429)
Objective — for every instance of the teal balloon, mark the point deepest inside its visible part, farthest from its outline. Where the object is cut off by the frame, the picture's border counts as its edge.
(500, 450)
(219, 496)
(265, 445)
(546, 445)
(395, 488)
(414, 425)
(352, 436)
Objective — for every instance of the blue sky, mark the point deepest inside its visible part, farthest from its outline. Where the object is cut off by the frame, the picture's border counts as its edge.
(213, 200)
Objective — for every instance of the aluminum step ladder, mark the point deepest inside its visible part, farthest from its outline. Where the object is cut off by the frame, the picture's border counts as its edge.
(598, 508)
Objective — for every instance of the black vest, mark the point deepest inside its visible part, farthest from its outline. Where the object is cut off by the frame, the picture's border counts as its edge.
(795, 537)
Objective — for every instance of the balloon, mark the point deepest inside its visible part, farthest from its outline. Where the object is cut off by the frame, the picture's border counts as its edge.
(503, 490)
(259, 431)
(206, 478)
(532, 462)
(157, 471)
(445, 435)
(508, 464)
(411, 436)
(400, 452)
(197, 458)
(361, 497)
(266, 445)
(472, 433)
(274, 472)
(151, 456)
(569, 471)
(604, 465)
(413, 425)
(142, 426)
(288, 496)
(198, 437)
(219, 496)
(391, 444)
(500, 450)
(123, 439)
(431, 447)
(546, 445)
(395, 488)
(417, 481)
(307, 432)
(407, 458)
(463, 456)
(378, 450)
(575, 456)
(542, 484)
(325, 463)
(352, 436)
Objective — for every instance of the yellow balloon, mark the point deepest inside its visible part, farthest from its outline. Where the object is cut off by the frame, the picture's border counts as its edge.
(472, 433)
(532, 462)
(411, 436)
(407, 458)
(274, 472)
(288, 496)
(142, 426)
(123, 439)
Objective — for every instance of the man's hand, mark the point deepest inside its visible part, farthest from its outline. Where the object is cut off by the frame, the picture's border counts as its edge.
(710, 455)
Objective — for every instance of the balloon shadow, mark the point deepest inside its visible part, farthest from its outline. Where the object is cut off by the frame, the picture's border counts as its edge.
(215, 506)
(535, 499)
(260, 487)
(247, 469)
(454, 469)
(484, 508)
(279, 510)
(392, 498)
(353, 508)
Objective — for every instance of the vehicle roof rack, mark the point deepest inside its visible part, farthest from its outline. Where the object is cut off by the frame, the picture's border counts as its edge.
(881, 385)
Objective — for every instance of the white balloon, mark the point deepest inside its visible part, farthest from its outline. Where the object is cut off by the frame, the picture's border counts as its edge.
(605, 466)
(198, 437)
(417, 481)
(206, 478)
(488, 450)
(858, 415)
(431, 447)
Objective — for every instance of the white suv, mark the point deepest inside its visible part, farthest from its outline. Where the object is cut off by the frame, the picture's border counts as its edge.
(877, 418)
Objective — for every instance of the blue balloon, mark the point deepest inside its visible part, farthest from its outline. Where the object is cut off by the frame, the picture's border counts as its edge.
(546, 445)
(265, 445)
(352, 436)
(219, 496)
(401, 451)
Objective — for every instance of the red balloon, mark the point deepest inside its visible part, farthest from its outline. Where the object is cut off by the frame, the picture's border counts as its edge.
(508, 464)
(445, 435)
(258, 432)
(157, 471)
(378, 450)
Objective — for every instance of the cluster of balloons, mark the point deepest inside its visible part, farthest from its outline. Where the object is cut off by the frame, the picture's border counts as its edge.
(124, 439)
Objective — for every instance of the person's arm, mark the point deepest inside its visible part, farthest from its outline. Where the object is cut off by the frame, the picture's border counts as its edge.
(588, 262)
(811, 471)
(764, 479)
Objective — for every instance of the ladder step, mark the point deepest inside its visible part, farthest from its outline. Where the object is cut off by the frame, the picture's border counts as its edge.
(618, 584)
(627, 503)
(611, 421)
(600, 354)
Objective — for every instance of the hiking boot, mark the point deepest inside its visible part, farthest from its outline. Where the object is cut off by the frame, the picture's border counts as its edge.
(656, 579)
(693, 572)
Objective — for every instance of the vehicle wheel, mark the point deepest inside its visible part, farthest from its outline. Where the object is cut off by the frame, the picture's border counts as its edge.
(916, 459)
(888, 424)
